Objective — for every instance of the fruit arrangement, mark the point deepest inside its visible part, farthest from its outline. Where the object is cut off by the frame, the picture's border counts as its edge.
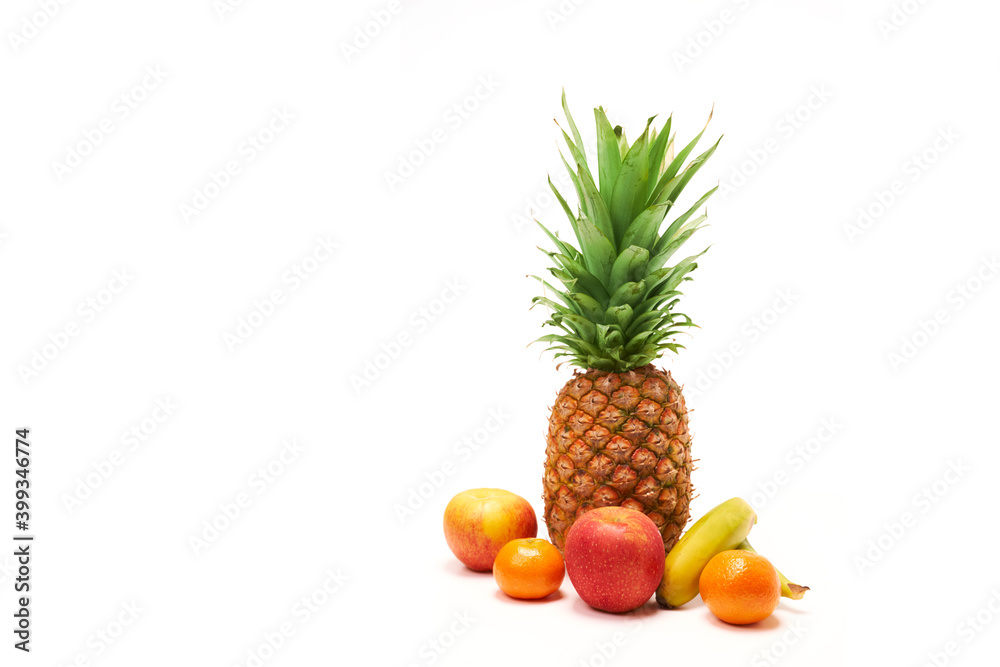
(617, 480)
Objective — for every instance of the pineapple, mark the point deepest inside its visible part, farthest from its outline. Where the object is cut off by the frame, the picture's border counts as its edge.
(618, 433)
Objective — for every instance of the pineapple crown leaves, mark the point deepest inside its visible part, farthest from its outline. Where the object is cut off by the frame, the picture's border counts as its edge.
(616, 309)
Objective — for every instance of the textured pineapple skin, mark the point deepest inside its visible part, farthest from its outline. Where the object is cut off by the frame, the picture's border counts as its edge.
(619, 439)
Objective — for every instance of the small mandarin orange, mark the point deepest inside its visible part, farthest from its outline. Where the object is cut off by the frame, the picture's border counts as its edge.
(740, 587)
(529, 568)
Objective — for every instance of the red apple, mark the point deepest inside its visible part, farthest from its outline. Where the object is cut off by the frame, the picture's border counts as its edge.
(478, 522)
(614, 557)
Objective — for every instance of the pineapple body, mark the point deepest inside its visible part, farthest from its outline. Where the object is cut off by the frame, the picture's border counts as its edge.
(619, 439)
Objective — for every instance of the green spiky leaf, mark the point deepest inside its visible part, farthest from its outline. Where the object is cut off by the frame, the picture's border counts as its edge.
(608, 154)
(575, 131)
(628, 198)
(629, 266)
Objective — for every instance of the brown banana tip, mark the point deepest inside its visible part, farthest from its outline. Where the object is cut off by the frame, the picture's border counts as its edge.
(798, 591)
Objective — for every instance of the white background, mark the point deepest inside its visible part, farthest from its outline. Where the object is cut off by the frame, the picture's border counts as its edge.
(882, 592)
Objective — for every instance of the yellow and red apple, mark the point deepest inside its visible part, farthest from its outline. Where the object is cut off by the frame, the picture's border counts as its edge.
(478, 522)
(614, 558)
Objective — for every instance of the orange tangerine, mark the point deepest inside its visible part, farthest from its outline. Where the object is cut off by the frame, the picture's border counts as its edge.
(529, 568)
(740, 587)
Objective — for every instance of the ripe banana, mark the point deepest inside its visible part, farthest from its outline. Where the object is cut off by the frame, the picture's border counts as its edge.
(788, 589)
(723, 528)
